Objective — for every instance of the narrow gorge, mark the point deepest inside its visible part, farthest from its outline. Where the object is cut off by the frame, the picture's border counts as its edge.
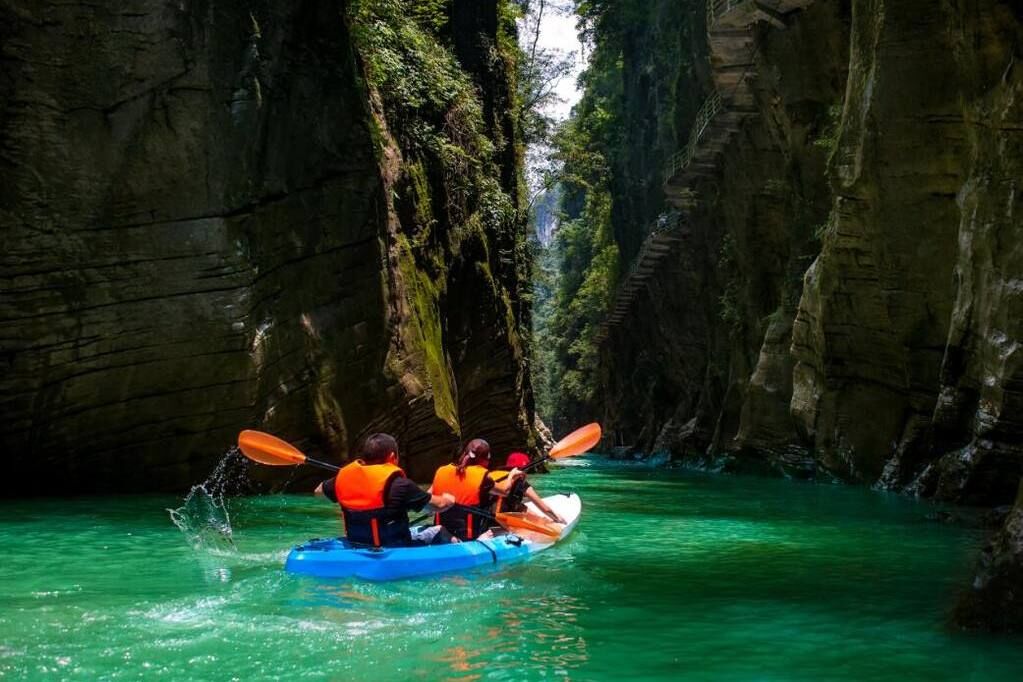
(807, 253)
(773, 239)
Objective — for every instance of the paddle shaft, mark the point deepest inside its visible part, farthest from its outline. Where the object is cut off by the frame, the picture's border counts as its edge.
(477, 510)
(472, 510)
(322, 465)
(532, 465)
(464, 507)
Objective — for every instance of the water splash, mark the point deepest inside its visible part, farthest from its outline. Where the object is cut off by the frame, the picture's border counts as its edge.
(203, 517)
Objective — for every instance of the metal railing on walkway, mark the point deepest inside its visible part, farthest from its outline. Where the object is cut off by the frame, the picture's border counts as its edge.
(716, 8)
(662, 234)
(681, 159)
(666, 229)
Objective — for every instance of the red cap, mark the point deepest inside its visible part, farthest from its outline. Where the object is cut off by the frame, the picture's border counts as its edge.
(517, 460)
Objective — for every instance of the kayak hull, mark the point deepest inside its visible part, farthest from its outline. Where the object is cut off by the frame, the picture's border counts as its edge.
(335, 558)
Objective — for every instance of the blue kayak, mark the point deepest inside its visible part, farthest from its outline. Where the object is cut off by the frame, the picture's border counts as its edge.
(335, 558)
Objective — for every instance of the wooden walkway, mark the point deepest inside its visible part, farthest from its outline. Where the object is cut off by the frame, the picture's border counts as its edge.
(732, 45)
(664, 234)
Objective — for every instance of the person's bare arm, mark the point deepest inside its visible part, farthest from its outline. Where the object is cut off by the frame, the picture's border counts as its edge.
(542, 506)
(439, 503)
(504, 486)
(319, 490)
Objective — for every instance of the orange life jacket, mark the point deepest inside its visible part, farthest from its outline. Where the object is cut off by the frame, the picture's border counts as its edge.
(512, 502)
(466, 489)
(361, 491)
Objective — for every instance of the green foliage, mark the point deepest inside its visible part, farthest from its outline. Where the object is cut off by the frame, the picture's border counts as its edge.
(821, 229)
(579, 271)
(430, 101)
(433, 110)
(449, 192)
(540, 69)
(432, 15)
(642, 90)
(828, 139)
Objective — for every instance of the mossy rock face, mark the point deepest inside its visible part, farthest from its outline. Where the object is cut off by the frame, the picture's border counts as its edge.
(452, 215)
(425, 334)
(847, 302)
(185, 269)
(703, 363)
(181, 261)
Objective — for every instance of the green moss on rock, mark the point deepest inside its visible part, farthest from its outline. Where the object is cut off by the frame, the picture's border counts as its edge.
(425, 331)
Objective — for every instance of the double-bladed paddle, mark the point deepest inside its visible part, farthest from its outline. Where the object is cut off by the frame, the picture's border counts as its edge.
(270, 450)
(575, 443)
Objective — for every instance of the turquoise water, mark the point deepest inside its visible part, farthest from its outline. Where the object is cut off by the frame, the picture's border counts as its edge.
(670, 575)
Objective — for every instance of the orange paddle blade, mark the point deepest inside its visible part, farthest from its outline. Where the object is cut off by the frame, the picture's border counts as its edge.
(577, 442)
(266, 449)
(518, 520)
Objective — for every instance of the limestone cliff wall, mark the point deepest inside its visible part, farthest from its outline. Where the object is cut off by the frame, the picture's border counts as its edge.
(844, 303)
(703, 364)
(907, 336)
(207, 228)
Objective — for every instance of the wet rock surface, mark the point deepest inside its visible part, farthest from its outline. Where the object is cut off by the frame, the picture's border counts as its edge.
(905, 338)
(995, 599)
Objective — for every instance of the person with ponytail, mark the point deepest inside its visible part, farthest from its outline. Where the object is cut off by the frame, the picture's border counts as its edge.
(469, 481)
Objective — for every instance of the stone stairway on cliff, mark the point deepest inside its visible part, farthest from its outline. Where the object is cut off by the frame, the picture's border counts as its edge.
(732, 44)
(663, 235)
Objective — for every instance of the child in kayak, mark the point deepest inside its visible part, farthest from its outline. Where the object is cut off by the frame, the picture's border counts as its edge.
(472, 485)
(514, 501)
(375, 497)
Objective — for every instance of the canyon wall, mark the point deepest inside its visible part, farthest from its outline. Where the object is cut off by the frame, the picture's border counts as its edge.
(846, 301)
(211, 221)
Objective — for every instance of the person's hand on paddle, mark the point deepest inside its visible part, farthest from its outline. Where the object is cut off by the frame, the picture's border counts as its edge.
(505, 483)
(539, 503)
(553, 515)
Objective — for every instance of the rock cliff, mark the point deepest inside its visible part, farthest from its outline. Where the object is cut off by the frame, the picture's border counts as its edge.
(213, 220)
(845, 300)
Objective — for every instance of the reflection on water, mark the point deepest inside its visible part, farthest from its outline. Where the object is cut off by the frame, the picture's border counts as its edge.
(670, 575)
(532, 633)
(460, 661)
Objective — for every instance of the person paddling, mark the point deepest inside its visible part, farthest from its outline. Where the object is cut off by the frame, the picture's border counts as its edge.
(376, 496)
(520, 489)
(471, 484)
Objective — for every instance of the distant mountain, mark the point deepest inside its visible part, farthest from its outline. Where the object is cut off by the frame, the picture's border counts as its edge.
(545, 215)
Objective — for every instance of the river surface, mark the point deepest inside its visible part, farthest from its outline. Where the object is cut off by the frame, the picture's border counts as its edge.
(670, 575)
